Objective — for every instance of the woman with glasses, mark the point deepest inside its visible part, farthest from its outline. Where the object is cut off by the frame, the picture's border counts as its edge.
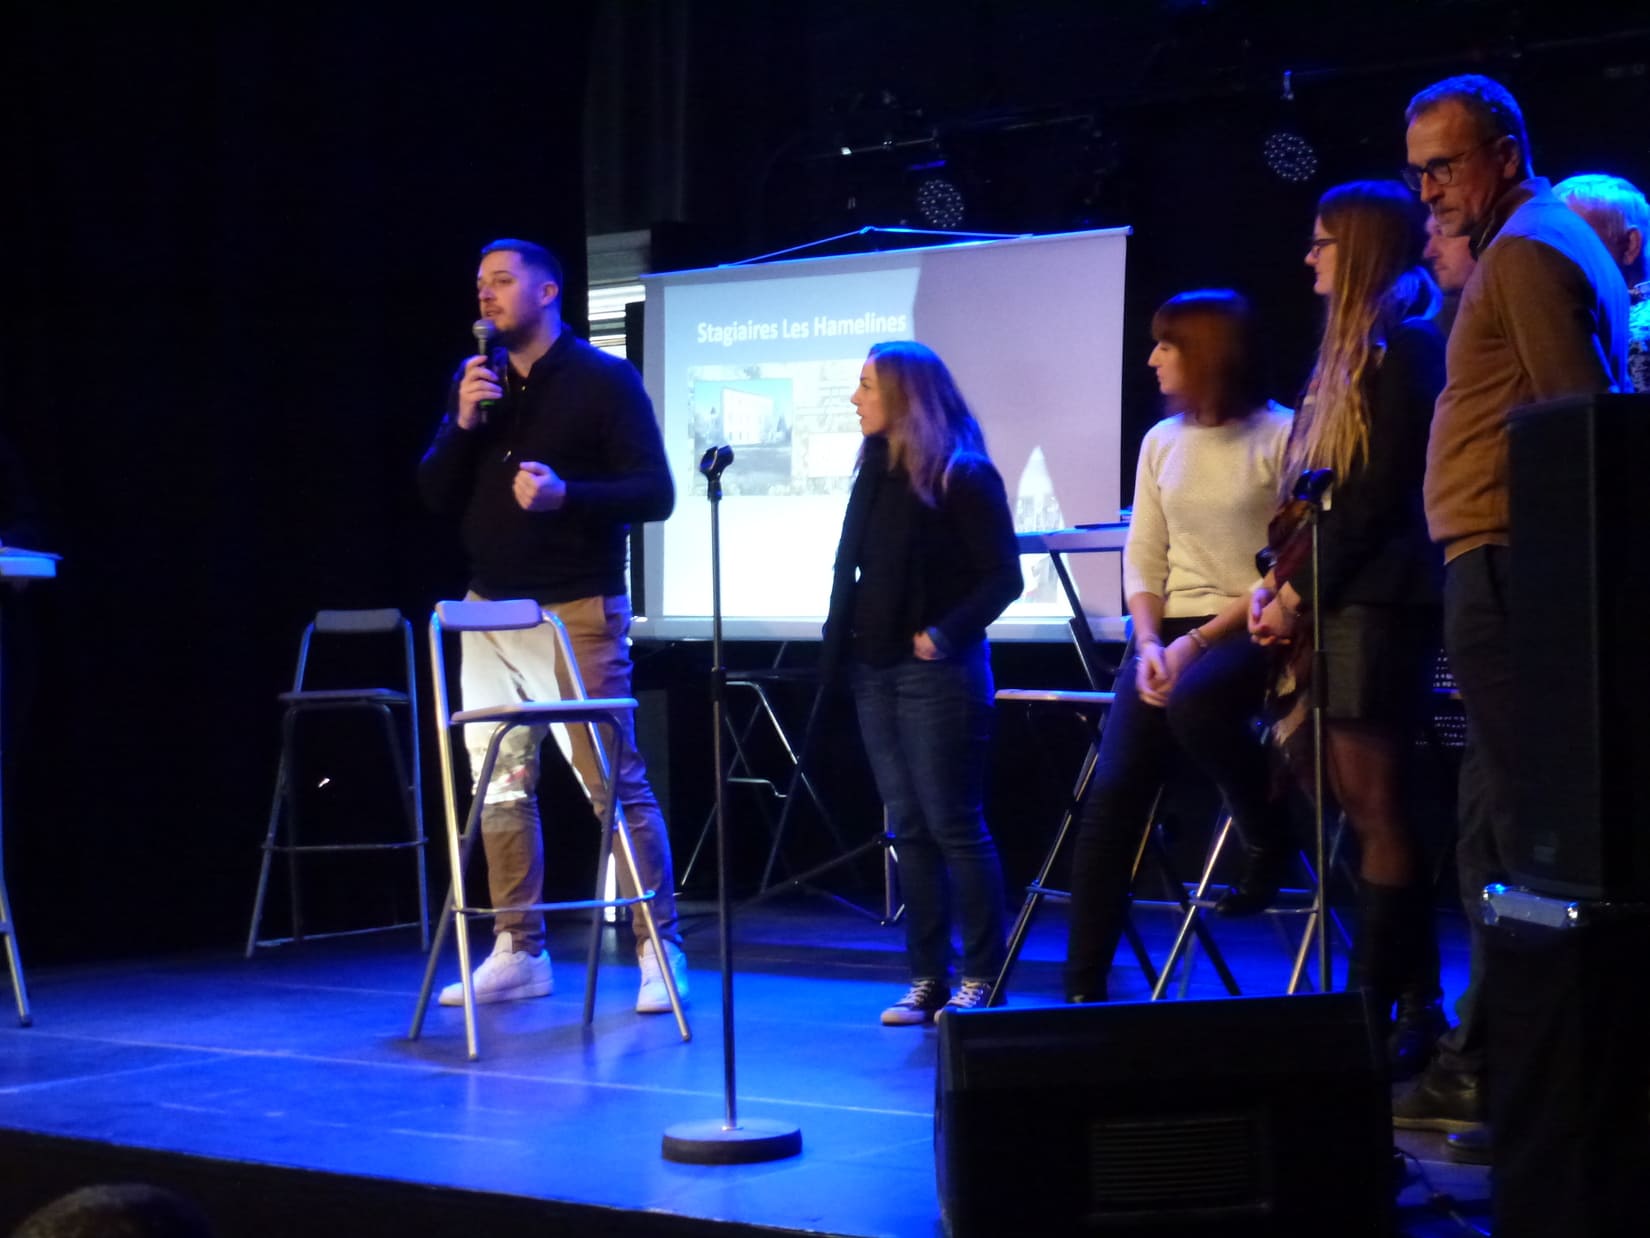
(1365, 416)
(1206, 482)
(927, 560)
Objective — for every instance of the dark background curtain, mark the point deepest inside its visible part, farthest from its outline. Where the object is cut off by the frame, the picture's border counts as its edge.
(240, 274)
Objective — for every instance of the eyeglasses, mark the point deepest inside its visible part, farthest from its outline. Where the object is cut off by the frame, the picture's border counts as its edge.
(1318, 244)
(1441, 171)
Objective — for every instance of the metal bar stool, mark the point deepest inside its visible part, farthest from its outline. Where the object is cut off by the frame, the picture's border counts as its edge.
(1151, 841)
(1301, 902)
(17, 568)
(797, 759)
(789, 776)
(383, 702)
(601, 713)
(1443, 728)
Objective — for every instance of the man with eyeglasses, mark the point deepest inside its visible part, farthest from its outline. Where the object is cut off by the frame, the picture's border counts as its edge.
(1543, 316)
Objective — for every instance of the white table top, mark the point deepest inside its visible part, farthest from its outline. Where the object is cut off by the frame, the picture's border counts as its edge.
(1083, 540)
(19, 564)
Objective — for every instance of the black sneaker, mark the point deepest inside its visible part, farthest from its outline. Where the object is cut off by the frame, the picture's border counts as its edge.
(973, 995)
(1441, 1100)
(921, 1003)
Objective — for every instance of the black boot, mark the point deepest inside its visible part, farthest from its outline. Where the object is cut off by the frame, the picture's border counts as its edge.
(1419, 1023)
(1092, 942)
(1397, 961)
(1265, 869)
(1268, 853)
(1420, 1020)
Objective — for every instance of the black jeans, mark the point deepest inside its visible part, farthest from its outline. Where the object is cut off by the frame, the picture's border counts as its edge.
(1210, 716)
(1478, 642)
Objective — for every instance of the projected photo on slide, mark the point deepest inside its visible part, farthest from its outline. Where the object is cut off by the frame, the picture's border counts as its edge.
(790, 425)
(766, 357)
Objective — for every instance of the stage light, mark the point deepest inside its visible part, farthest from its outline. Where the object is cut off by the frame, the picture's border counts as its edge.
(1290, 156)
(941, 202)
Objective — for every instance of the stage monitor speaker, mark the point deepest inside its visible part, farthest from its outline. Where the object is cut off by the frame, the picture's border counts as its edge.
(1581, 661)
(1243, 1116)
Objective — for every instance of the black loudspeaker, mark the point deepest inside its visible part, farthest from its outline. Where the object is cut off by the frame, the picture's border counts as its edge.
(1580, 541)
(1244, 1116)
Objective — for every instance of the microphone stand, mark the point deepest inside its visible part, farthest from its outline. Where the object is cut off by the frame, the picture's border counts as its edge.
(726, 1141)
(1311, 488)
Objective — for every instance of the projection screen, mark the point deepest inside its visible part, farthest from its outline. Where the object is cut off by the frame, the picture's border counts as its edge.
(764, 359)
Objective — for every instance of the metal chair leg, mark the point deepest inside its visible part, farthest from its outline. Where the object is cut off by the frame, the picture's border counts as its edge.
(275, 805)
(289, 730)
(454, 913)
(14, 961)
(1039, 888)
(1192, 929)
(414, 822)
(627, 856)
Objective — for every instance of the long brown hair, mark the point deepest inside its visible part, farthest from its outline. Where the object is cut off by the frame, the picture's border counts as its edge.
(929, 424)
(1214, 333)
(1379, 230)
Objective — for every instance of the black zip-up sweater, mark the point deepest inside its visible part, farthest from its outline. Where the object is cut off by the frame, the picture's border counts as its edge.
(903, 567)
(584, 414)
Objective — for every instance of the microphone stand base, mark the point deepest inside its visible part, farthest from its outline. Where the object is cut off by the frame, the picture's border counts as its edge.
(713, 1142)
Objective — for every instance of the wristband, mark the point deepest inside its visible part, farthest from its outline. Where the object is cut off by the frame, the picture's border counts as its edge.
(1198, 639)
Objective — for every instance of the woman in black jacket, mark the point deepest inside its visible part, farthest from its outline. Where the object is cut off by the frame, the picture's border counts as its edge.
(1365, 416)
(927, 560)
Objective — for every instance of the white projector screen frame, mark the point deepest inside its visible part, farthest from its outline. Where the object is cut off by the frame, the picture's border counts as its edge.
(1032, 329)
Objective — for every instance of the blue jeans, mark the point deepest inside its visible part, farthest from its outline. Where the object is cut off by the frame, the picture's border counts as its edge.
(927, 732)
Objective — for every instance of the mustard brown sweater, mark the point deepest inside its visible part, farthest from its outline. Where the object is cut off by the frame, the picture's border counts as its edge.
(1544, 316)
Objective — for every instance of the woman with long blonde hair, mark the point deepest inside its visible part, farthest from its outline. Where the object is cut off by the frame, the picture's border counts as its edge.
(1365, 416)
(927, 560)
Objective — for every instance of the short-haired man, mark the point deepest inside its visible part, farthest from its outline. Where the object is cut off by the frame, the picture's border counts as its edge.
(1621, 217)
(1544, 316)
(1451, 262)
(548, 464)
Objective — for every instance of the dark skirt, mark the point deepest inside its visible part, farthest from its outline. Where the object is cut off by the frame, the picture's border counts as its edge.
(1379, 663)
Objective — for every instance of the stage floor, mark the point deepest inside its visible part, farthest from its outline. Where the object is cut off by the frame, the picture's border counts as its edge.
(299, 1059)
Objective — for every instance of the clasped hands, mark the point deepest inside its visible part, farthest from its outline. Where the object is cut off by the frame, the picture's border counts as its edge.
(1272, 619)
(1159, 666)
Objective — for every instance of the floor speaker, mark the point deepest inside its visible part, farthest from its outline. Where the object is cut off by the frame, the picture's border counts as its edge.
(1580, 541)
(1245, 1116)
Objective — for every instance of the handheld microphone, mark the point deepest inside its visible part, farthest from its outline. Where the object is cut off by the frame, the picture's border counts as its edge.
(485, 333)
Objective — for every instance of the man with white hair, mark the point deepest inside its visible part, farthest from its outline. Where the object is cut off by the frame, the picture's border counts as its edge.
(1621, 217)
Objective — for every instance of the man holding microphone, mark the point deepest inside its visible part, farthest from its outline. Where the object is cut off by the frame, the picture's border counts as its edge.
(547, 464)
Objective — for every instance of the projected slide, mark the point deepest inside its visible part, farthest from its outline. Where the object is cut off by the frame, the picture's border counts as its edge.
(765, 359)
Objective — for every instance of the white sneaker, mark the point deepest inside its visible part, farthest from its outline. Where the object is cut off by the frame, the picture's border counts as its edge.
(507, 975)
(653, 998)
